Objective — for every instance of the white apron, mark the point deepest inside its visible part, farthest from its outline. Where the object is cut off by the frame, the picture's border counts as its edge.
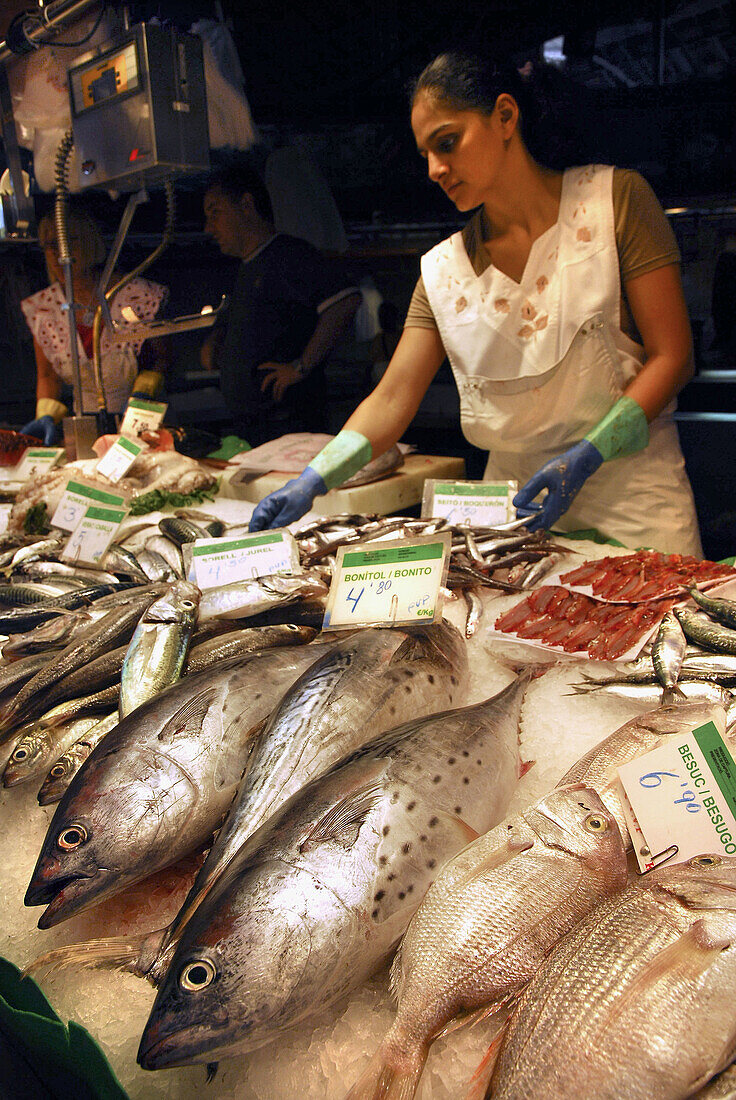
(540, 362)
(47, 320)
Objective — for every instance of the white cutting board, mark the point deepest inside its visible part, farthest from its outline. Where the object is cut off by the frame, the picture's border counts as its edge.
(400, 490)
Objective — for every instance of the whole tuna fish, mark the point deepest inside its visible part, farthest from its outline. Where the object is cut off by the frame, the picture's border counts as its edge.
(598, 768)
(313, 903)
(158, 648)
(159, 784)
(637, 1002)
(366, 684)
(487, 922)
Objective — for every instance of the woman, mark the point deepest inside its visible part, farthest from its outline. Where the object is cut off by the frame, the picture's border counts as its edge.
(47, 320)
(561, 311)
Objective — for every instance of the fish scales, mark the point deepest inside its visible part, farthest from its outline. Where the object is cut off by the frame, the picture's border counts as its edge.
(368, 683)
(160, 782)
(486, 923)
(316, 899)
(636, 1003)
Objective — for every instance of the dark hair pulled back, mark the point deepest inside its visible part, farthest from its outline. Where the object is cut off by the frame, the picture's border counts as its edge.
(468, 81)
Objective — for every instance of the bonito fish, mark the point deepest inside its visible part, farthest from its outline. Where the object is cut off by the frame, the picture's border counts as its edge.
(487, 922)
(637, 1003)
(314, 901)
(159, 784)
(365, 685)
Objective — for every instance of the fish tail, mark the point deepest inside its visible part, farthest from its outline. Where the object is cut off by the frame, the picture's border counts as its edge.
(672, 694)
(133, 954)
(392, 1074)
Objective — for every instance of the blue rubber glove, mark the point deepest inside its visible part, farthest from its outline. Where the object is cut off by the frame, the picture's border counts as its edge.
(45, 428)
(288, 503)
(563, 477)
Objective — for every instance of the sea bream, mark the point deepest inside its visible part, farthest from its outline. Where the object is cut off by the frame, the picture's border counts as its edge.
(637, 1002)
(487, 922)
(367, 683)
(159, 784)
(316, 899)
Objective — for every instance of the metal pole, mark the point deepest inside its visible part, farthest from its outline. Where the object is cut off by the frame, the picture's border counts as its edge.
(56, 16)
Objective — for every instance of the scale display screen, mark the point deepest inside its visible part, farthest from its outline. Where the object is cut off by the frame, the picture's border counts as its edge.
(105, 78)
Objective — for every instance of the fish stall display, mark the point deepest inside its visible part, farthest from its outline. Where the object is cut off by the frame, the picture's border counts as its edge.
(244, 852)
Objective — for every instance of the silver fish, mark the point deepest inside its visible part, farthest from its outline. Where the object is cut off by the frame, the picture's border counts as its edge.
(718, 608)
(598, 768)
(243, 599)
(41, 746)
(159, 784)
(158, 648)
(637, 1002)
(366, 684)
(668, 652)
(692, 690)
(66, 767)
(169, 551)
(155, 567)
(317, 898)
(487, 922)
(699, 628)
(251, 639)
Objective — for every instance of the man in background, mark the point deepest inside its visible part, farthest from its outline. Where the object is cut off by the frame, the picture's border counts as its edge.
(289, 308)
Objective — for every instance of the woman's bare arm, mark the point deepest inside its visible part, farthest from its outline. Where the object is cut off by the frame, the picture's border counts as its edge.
(389, 409)
(658, 307)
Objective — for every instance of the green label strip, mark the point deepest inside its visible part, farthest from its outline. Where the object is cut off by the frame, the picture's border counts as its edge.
(95, 494)
(146, 406)
(450, 489)
(107, 514)
(40, 454)
(238, 544)
(394, 554)
(719, 760)
(127, 445)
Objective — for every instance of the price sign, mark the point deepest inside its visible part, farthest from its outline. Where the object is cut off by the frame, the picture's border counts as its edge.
(682, 797)
(117, 461)
(478, 503)
(93, 534)
(220, 561)
(142, 416)
(35, 461)
(395, 584)
(77, 498)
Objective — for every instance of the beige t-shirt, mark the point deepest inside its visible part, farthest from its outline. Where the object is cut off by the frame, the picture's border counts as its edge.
(644, 240)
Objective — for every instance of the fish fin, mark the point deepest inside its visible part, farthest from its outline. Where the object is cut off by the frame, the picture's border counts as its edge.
(393, 1072)
(133, 954)
(525, 766)
(191, 714)
(481, 1079)
(469, 1019)
(343, 821)
(495, 859)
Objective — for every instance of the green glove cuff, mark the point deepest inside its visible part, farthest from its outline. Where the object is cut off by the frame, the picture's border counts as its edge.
(343, 456)
(622, 431)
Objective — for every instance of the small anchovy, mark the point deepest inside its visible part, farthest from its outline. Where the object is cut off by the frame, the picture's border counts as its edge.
(539, 570)
(461, 574)
(475, 611)
(722, 610)
(699, 628)
(668, 651)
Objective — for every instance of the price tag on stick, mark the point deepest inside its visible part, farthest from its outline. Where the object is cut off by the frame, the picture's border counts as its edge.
(478, 503)
(35, 461)
(682, 798)
(117, 461)
(78, 497)
(393, 584)
(142, 416)
(222, 560)
(93, 535)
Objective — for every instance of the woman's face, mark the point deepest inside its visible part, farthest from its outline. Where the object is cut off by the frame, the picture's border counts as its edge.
(463, 149)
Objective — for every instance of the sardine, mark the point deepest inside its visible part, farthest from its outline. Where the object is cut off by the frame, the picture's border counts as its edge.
(158, 648)
(718, 608)
(668, 652)
(366, 684)
(701, 629)
(637, 1002)
(317, 898)
(243, 599)
(487, 922)
(160, 783)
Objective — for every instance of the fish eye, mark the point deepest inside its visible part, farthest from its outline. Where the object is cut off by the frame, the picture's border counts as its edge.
(187, 605)
(74, 836)
(57, 771)
(197, 975)
(20, 754)
(595, 823)
(705, 861)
